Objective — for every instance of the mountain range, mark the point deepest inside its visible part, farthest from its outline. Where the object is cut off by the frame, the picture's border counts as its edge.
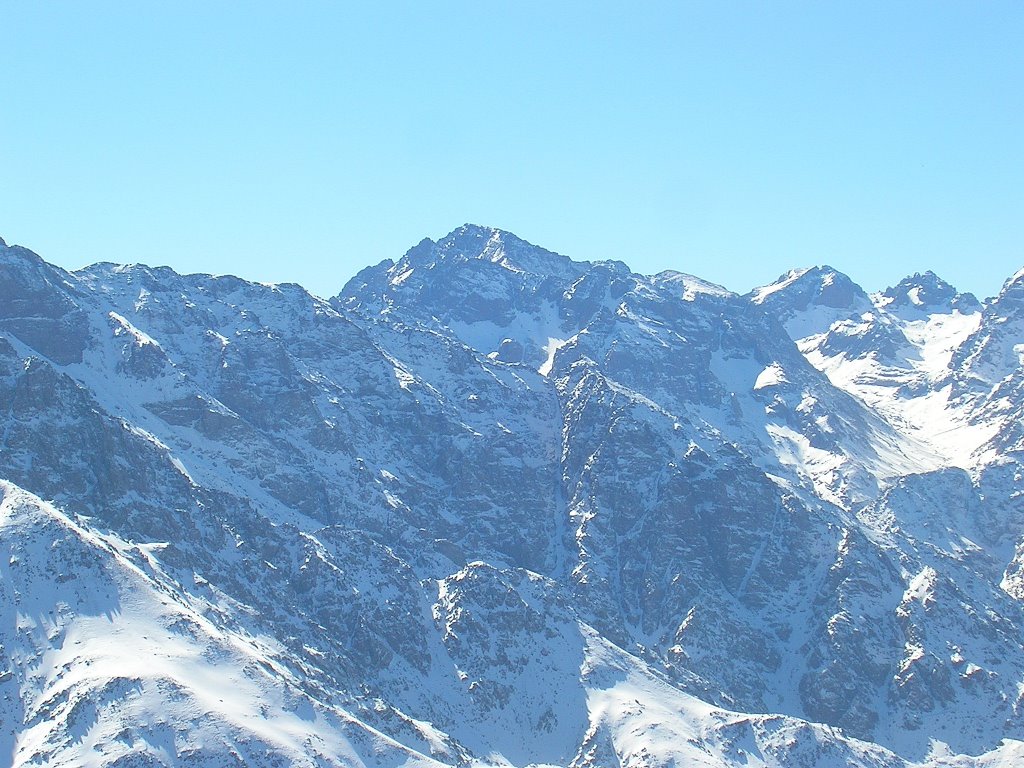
(490, 506)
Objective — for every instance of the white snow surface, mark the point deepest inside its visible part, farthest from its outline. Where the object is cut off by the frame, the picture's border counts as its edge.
(108, 660)
(914, 396)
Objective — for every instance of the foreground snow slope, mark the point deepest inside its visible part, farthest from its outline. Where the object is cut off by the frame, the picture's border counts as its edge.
(106, 659)
(492, 506)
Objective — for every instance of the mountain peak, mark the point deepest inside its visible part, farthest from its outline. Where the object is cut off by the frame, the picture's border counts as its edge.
(1015, 282)
(691, 285)
(817, 286)
(809, 301)
(18, 254)
(467, 245)
(470, 231)
(1010, 300)
(478, 243)
(926, 291)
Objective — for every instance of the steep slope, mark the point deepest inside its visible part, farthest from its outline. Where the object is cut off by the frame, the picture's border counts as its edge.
(109, 662)
(107, 665)
(494, 506)
(893, 351)
(988, 369)
(949, 382)
(676, 398)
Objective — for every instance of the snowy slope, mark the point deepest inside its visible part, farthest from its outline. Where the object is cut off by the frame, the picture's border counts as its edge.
(491, 506)
(895, 352)
(105, 658)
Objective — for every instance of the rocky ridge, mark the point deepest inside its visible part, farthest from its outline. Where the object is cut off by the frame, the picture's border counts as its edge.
(491, 506)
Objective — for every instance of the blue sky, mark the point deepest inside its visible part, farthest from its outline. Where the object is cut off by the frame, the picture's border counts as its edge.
(731, 140)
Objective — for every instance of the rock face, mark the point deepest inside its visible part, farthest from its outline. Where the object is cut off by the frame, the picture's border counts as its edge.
(491, 506)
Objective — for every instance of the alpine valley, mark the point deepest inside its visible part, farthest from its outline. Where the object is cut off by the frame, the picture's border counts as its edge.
(489, 506)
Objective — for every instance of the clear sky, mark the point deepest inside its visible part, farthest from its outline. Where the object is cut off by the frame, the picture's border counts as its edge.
(733, 140)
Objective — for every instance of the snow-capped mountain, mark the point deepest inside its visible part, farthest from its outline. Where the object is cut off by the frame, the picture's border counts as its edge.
(492, 506)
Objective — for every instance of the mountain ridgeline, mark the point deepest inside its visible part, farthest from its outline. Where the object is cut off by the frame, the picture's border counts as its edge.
(489, 506)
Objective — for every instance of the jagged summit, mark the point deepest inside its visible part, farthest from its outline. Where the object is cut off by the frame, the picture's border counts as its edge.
(134, 273)
(994, 353)
(1014, 284)
(921, 289)
(924, 292)
(499, 293)
(691, 285)
(472, 242)
(818, 286)
(809, 301)
(471, 255)
(13, 254)
(491, 243)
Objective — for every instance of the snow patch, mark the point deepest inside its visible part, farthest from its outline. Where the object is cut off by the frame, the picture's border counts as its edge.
(550, 349)
(760, 294)
(771, 376)
(401, 278)
(122, 326)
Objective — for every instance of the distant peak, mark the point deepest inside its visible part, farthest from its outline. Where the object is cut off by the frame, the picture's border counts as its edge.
(1012, 293)
(1016, 280)
(3, 243)
(476, 230)
(927, 279)
(926, 291)
(16, 254)
(818, 285)
(691, 286)
(823, 269)
(472, 242)
(473, 239)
